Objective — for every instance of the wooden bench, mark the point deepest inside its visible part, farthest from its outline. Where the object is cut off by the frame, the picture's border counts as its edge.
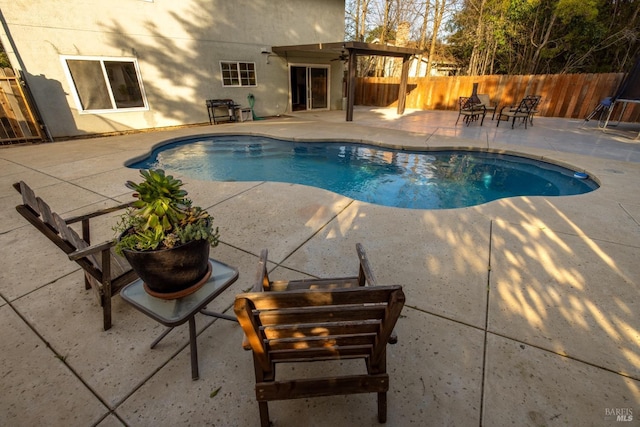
(104, 271)
(319, 320)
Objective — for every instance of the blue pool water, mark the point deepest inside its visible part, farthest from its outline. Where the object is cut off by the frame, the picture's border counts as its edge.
(405, 179)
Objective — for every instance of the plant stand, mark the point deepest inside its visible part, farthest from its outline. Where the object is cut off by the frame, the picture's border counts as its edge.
(175, 312)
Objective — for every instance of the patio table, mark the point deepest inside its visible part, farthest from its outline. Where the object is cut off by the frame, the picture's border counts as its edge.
(175, 312)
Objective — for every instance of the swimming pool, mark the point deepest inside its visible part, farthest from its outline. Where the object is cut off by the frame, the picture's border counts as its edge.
(398, 178)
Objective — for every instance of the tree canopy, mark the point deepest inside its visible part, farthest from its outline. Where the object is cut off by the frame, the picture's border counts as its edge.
(508, 36)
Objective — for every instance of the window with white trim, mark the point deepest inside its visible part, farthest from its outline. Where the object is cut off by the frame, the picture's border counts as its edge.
(236, 73)
(102, 84)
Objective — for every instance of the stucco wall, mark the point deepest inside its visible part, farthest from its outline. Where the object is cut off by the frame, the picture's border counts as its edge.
(178, 46)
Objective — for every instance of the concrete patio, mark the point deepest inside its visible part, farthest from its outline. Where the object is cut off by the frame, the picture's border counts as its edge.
(522, 311)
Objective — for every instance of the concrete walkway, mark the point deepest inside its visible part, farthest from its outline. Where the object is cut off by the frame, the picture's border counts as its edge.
(522, 311)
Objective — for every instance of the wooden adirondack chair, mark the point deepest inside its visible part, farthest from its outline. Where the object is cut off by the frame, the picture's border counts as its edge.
(319, 320)
(365, 276)
(104, 271)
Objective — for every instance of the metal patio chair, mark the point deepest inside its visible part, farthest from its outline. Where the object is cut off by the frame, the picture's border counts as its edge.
(522, 111)
(471, 110)
(486, 101)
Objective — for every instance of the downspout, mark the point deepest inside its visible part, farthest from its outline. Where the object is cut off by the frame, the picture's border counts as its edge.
(17, 64)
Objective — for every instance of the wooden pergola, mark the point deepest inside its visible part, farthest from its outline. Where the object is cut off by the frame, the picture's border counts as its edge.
(353, 49)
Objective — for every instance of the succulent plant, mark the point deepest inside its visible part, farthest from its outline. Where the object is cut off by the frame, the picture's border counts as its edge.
(162, 217)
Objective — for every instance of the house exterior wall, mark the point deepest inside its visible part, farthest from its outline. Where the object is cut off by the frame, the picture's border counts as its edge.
(178, 46)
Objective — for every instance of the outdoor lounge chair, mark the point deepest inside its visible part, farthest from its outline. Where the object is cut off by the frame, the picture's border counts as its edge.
(522, 111)
(470, 110)
(104, 271)
(484, 100)
(319, 320)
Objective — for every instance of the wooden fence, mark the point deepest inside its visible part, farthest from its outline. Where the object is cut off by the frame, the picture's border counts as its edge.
(563, 95)
(17, 121)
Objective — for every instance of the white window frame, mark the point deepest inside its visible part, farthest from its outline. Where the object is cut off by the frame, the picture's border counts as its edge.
(102, 60)
(239, 73)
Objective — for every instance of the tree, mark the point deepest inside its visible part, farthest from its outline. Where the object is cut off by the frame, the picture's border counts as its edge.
(546, 36)
(356, 15)
(4, 59)
(439, 9)
(508, 36)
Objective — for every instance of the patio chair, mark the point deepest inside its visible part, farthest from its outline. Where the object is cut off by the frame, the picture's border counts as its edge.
(486, 101)
(470, 110)
(522, 111)
(601, 111)
(104, 271)
(319, 320)
(365, 276)
(536, 101)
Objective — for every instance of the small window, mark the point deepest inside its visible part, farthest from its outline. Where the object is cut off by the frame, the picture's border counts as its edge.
(238, 73)
(105, 84)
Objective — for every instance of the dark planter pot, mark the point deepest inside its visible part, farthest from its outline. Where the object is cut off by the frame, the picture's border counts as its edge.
(170, 271)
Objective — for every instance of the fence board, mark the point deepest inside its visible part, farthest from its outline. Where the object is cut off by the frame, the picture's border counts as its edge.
(575, 88)
(579, 108)
(563, 95)
(17, 123)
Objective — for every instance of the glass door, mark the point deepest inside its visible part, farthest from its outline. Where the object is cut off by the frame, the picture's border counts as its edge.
(309, 87)
(318, 89)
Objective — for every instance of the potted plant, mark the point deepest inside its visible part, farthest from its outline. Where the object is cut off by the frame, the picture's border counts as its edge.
(164, 237)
